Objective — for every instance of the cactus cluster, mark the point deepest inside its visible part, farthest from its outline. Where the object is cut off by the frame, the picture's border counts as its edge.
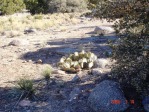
(77, 61)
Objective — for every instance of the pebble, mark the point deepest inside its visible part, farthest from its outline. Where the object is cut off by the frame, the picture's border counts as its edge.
(25, 103)
(39, 61)
(29, 61)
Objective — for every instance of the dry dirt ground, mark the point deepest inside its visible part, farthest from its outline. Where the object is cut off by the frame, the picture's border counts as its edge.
(50, 45)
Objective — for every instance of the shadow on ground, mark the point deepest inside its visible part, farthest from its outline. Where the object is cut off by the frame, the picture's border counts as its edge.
(63, 47)
(53, 98)
(56, 97)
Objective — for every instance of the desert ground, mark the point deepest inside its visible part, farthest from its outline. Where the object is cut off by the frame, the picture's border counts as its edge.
(48, 45)
(27, 49)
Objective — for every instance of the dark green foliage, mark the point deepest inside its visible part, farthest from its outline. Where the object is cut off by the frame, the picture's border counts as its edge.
(36, 6)
(93, 3)
(132, 52)
(11, 6)
(67, 5)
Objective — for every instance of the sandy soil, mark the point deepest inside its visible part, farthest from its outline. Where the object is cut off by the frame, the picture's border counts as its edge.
(20, 61)
(49, 45)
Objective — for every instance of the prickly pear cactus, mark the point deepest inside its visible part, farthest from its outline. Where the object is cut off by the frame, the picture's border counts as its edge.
(77, 61)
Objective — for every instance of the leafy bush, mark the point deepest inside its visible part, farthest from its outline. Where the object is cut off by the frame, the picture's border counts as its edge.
(11, 6)
(93, 3)
(67, 5)
(77, 61)
(36, 6)
(132, 52)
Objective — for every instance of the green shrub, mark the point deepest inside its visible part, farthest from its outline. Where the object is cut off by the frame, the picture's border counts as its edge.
(36, 6)
(67, 5)
(11, 6)
(93, 3)
(47, 73)
(26, 86)
(132, 50)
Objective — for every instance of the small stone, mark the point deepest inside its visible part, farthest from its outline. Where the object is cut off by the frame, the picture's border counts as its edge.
(99, 31)
(102, 63)
(103, 30)
(74, 94)
(29, 61)
(39, 61)
(56, 71)
(83, 75)
(96, 72)
(75, 78)
(31, 30)
(24, 61)
(19, 43)
(25, 103)
(15, 43)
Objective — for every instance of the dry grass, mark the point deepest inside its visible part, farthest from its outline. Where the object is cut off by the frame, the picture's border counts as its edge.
(36, 21)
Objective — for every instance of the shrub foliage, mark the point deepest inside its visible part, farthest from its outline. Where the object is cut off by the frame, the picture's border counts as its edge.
(11, 6)
(67, 5)
(93, 3)
(36, 6)
(132, 52)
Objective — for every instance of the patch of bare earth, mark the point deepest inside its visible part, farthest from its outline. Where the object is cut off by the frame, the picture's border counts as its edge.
(49, 46)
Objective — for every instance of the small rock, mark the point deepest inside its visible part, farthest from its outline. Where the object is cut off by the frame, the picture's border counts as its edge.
(99, 31)
(102, 63)
(40, 104)
(96, 71)
(103, 30)
(75, 78)
(56, 71)
(84, 76)
(19, 42)
(25, 103)
(29, 61)
(15, 43)
(31, 30)
(24, 61)
(74, 94)
(39, 61)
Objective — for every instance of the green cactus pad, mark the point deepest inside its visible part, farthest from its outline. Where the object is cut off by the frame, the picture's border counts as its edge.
(77, 61)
